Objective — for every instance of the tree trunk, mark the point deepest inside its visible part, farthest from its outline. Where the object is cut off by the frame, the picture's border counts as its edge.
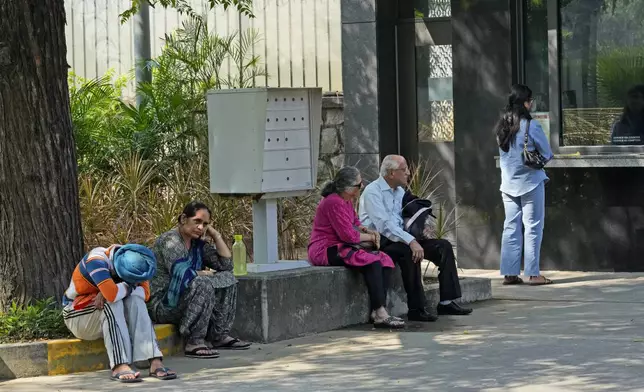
(40, 225)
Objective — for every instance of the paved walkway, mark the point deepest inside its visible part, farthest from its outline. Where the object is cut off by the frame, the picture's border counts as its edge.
(585, 333)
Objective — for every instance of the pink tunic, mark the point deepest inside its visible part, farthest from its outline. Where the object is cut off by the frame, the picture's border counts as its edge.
(336, 223)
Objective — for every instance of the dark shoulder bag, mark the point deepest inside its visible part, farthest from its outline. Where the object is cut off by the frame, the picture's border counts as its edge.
(532, 159)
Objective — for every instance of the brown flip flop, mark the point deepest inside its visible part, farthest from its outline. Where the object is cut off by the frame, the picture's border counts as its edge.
(541, 283)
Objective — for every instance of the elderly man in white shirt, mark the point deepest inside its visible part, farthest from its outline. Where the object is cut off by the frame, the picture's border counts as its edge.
(381, 210)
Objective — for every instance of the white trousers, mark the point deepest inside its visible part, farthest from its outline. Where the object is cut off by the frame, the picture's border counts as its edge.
(125, 327)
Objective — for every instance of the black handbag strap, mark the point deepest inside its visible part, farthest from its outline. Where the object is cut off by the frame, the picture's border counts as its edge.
(525, 141)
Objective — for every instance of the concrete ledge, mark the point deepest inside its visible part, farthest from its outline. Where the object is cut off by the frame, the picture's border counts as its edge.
(64, 356)
(286, 304)
(271, 307)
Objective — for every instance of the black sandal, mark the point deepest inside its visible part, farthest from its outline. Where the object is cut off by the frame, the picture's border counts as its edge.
(511, 280)
(194, 353)
(168, 375)
(390, 323)
(234, 344)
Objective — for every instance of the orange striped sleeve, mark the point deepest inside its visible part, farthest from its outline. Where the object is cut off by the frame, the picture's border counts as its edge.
(109, 289)
(146, 288)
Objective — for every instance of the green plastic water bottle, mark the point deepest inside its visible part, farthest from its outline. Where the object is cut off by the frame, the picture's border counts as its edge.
(239, 256)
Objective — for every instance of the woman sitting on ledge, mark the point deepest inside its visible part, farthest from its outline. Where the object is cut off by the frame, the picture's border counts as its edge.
(338, 239)
(201, 302)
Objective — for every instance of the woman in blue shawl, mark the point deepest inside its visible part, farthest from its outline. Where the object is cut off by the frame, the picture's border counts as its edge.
(200, 301)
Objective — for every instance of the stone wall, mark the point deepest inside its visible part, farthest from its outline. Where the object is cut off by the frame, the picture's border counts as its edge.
(331, 135)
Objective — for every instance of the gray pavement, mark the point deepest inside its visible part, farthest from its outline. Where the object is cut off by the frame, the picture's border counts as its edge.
(584, 333)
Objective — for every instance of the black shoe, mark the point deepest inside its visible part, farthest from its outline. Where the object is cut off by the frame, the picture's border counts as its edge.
(453, 309)
(421, 315)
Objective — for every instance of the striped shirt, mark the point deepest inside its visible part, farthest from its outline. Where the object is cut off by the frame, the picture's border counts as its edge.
(93, 275)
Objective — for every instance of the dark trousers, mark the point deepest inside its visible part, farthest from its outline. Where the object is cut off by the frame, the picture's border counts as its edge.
(440, 252)
(376, 277)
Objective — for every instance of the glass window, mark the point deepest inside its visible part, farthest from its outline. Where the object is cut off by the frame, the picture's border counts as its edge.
(602, 72)
(535, 59)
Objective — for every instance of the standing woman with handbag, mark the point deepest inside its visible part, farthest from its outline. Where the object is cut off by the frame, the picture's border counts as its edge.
(524, 151)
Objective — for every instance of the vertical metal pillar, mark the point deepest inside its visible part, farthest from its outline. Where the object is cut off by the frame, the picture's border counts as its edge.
(265, 245)
(141, 45)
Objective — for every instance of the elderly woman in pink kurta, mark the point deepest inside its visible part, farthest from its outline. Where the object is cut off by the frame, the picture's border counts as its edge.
(338, 239)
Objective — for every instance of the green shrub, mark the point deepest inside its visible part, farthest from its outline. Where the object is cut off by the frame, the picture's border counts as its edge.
(42, 319)
(101, 128)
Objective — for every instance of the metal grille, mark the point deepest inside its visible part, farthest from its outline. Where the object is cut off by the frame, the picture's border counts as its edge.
(440, 9)
(440, 61)
(433, 8)
(436, 117)
(440, 128)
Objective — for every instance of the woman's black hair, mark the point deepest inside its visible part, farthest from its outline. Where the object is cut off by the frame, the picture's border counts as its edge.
(192, 208)
(344, 179)
(510, 121)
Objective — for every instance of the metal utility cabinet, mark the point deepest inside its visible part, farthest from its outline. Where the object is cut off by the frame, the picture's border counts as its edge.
(264, 142)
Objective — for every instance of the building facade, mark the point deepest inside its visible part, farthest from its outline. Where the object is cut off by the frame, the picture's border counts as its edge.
(427, 79)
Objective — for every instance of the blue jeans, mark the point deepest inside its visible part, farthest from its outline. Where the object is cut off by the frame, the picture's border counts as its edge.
(527, 211)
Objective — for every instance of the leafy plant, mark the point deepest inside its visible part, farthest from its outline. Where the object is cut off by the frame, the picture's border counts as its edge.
(142, 200)
(425, 183)
(198, 56)
(100, 128)
(184, 7)
(41, 319)
(133, 178)
(171, 122)
(248, 65)
(423, 179)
